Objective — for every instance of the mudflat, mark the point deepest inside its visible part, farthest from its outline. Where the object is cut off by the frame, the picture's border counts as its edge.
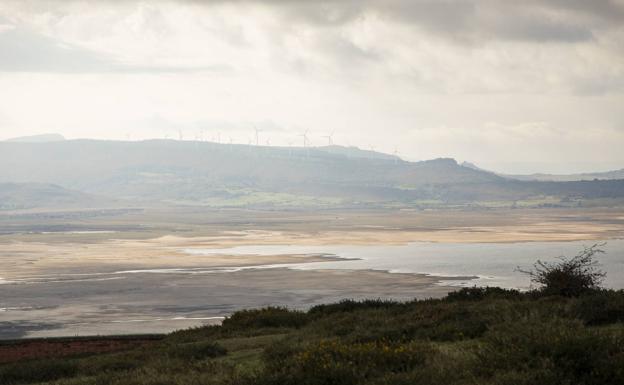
(133, 271)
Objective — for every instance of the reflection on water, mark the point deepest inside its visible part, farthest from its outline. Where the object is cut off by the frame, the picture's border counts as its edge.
(493, 263)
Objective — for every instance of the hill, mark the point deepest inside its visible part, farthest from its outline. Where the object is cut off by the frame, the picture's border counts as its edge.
(608, 175)
(17, 196)
(474, 336)
(43, 138)
(226, 175)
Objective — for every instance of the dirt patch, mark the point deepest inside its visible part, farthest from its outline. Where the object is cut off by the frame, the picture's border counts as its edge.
(13, 351)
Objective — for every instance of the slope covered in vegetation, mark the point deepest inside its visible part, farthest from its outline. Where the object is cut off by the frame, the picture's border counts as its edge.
(235, 175)
(473, 336)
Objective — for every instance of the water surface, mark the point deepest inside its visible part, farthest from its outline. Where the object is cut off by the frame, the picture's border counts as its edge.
(494, 264)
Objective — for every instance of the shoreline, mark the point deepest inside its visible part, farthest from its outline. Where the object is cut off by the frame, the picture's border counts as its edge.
(159, 283)
(161, 310)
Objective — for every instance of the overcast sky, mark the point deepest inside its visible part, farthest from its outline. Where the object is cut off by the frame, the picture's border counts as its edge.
(514, 86)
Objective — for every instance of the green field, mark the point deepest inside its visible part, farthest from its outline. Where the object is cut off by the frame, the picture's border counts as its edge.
(474, 336)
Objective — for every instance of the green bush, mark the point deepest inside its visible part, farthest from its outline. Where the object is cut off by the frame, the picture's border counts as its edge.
(337, 363)
(197, 350)
(349, 305)
(440, 321)
(113, 364)
(36, 371)
(480, 293)
(560, 350)
(266, 318)
(600, 307)
(426, 320)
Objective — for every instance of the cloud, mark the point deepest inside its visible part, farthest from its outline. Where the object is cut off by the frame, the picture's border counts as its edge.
(480, 20)
(550, 72)
(542, 21)
(22, 50)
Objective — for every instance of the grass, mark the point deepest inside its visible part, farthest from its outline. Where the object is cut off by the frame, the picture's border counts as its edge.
(237, 198)
(474, 336)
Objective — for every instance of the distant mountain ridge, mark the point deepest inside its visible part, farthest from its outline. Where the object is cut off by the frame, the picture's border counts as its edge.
(607, 175)
(226, 175)
(43, 138)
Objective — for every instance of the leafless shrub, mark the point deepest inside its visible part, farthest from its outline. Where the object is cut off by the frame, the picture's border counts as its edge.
(569, 277)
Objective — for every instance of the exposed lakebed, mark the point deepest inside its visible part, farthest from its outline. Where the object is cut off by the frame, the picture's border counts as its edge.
(115, 298)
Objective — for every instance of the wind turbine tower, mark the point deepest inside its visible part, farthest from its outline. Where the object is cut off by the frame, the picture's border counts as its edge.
(305, 138)
(290, 143)
(329, 138)
(257, 130)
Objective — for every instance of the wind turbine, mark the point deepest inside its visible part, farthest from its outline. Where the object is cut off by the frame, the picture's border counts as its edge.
(180, 135)
(396, 155)
(305, 142)
(305, 138)
(258, 131)
(290, 143)
(329, 138)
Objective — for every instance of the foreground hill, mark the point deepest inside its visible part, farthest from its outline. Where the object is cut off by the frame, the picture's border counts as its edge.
(475, 336)
(186, 172)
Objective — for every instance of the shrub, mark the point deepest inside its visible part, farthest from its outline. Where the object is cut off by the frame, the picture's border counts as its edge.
(480, 293)
(197, 350)
(349, 305)
(570, 277)
(425, 320)
(455, 327)
(601, 307)
(265, 318)
(37, 371)
(338, 363)
(562, 351)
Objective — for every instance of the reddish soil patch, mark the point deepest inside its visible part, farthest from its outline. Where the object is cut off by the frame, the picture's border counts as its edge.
(53, 348)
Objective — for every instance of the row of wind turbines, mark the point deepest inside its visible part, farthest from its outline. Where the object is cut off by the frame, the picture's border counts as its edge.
(255, 140)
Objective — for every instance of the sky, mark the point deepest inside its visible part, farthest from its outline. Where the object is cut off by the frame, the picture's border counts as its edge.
(512, 86)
